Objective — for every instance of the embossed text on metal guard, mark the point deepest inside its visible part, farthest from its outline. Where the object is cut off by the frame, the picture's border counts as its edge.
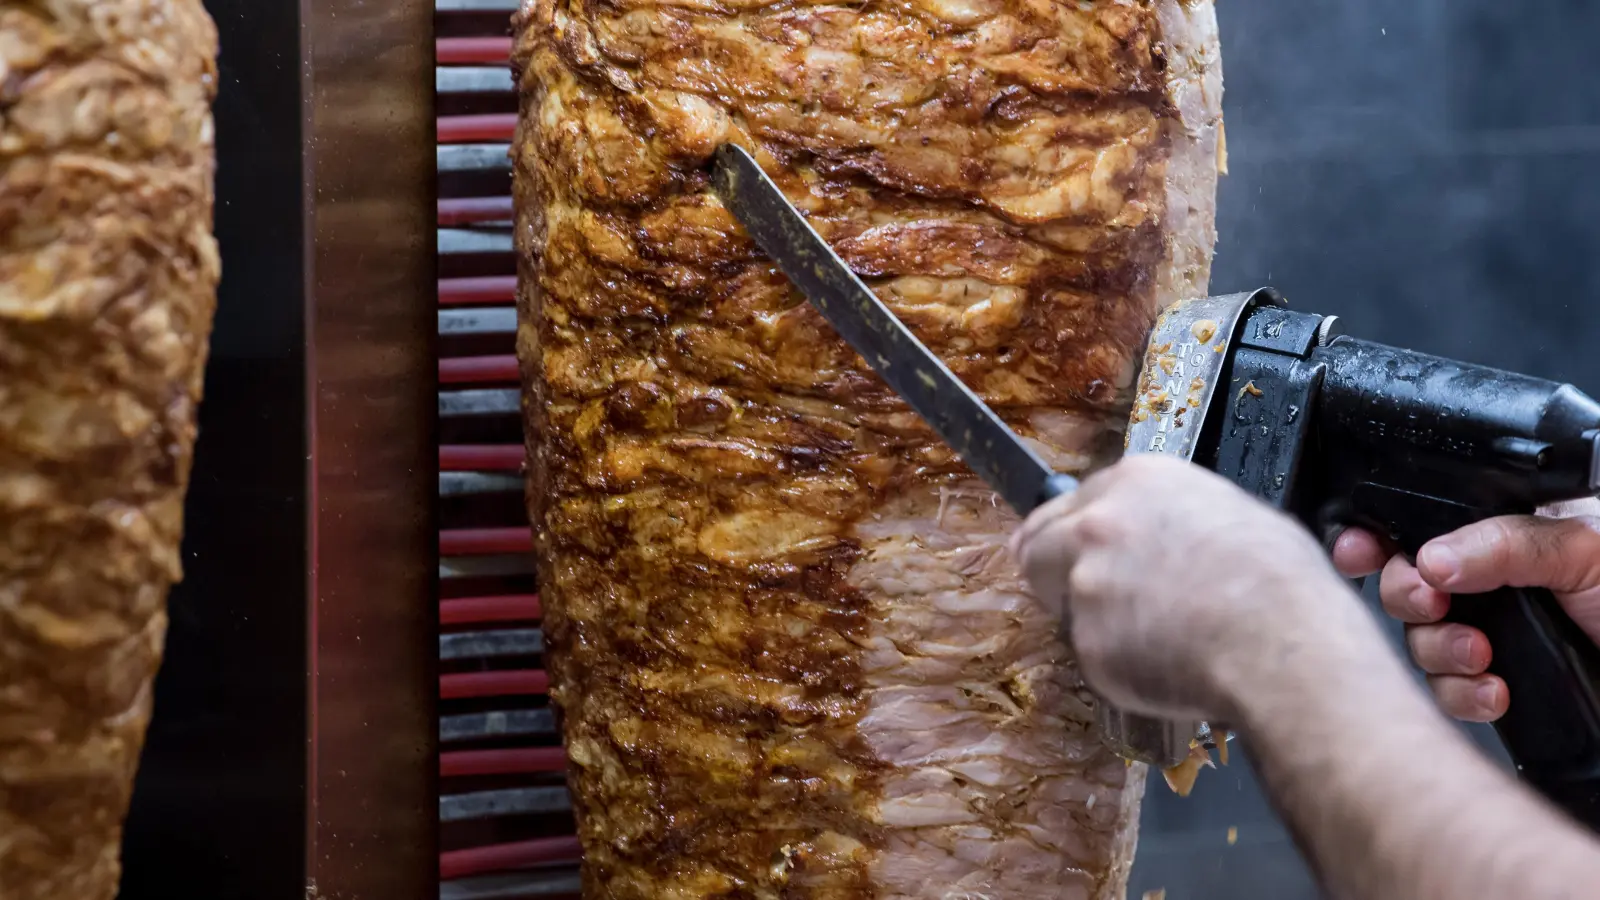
(1176, 390)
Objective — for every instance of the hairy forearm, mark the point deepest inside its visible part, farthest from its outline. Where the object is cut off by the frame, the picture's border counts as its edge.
(1385, 797)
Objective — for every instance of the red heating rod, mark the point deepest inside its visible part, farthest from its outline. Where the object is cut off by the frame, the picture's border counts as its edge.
(485, 541)
(471, 291)
(484, 610)
(476, 369)
(498, 605)
(470, 50)
(481, 458)
(502, 857)
(515, 683)
(476, 129)
(514, 761)
(472, 210)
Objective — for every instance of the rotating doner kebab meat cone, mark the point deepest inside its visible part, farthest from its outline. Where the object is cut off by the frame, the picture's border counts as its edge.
(108, 274)
(790, 651)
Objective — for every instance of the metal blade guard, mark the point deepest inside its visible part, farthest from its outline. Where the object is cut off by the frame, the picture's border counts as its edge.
(1185, 360)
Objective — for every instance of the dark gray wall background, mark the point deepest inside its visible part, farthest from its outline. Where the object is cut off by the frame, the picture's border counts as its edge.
(1426, 169)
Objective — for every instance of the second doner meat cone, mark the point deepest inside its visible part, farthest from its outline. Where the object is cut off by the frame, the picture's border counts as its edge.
(108, 277)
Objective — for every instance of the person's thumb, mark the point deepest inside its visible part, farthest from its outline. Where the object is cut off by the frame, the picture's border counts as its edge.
(1515, 551)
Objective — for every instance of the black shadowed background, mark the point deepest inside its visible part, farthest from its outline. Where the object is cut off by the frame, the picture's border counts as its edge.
(1425, 170)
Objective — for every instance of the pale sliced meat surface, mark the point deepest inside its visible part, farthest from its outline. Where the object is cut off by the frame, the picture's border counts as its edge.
(792, 655)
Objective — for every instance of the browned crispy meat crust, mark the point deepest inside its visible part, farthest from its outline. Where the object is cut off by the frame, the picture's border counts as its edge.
(792, 656)
(108, 276)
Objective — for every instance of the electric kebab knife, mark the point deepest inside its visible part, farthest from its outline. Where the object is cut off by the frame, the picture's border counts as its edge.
(1337, 431)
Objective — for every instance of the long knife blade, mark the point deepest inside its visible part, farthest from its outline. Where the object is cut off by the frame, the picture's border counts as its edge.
(967, 424)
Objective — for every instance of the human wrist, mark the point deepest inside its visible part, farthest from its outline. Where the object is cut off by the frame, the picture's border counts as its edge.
(1321, 645)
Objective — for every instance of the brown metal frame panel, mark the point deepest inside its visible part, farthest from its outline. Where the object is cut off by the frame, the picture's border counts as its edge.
(372, 323)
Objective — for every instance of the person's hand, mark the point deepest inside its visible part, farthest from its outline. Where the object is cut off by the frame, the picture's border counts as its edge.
(1559, 551)
(1177, 582)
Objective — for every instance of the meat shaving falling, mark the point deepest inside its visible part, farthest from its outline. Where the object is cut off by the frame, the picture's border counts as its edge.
(1181, 778)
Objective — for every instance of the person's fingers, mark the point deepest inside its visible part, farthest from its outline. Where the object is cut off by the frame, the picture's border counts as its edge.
(1090, 491)
(1041, 519)
(1449, 649)
(1062, 507)
(1358, 553)
(1570, 509)
(1048, 556)
(1407, 598)
(1521, 551)
(1479, 698)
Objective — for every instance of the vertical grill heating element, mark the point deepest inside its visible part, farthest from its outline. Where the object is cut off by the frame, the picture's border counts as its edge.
(506, 829)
